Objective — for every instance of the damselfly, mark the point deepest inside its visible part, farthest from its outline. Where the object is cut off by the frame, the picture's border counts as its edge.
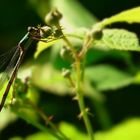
(34, 33)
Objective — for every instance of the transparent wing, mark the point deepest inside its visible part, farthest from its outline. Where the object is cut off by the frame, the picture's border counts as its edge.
(5, 58)
(8, 62)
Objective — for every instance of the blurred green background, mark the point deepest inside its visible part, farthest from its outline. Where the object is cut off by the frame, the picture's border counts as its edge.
(121, 103)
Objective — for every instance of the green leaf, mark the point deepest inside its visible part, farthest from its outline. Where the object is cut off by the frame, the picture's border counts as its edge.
(16, 138)
(137, 78)
(41, 46)
(41, 136)
(129, 16)
(128, 130)
(100, 55)
(10, 93)
(6, 117)
(119, 39)
(69, 130)
(72, 132)
(106, 77)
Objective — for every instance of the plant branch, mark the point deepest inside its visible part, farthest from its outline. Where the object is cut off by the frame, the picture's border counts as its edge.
(47, 120)
(79, 91)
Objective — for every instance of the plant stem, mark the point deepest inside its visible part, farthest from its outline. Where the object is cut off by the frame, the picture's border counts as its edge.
(79, 79)
(40, 126)
(69, 44)
(47, 120)
(81, 99)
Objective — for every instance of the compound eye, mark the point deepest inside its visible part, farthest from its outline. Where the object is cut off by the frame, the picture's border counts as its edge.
(34, 32)
(30, 29)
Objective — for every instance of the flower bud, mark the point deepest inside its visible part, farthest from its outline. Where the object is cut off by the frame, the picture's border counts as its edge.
(53, 17)
(65, 53)
(66, 73)
(97, 34)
